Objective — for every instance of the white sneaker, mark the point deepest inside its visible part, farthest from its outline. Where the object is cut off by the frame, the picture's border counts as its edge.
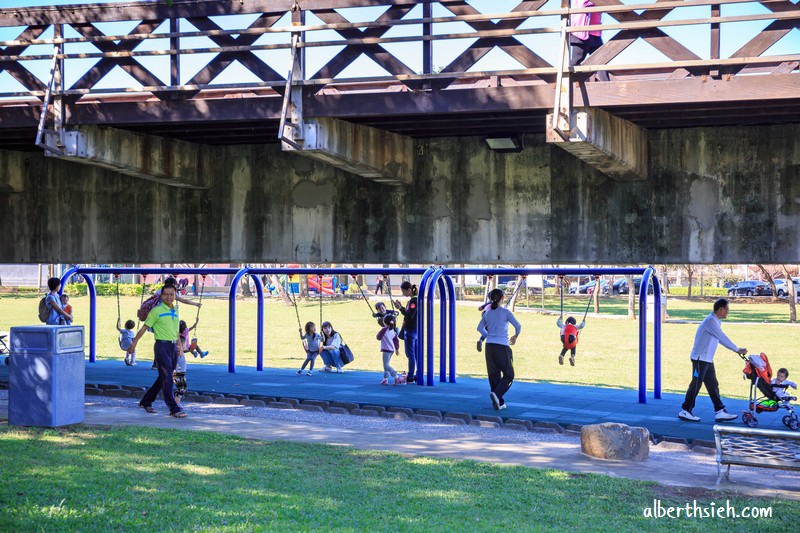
(495, 401)
(308, 373)
(689, 417)
(501, 407)
(724, 416)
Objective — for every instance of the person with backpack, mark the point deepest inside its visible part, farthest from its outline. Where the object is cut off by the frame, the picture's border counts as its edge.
(50, 310)
(163, 319)
(155, 300)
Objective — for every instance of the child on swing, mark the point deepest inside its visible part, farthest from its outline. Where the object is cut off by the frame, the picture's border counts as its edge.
(381, 313)
(569, 338)
(126, 339)
(190, 346)
(312, 342)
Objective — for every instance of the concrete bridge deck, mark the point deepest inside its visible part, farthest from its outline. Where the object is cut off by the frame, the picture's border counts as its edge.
(535, 401)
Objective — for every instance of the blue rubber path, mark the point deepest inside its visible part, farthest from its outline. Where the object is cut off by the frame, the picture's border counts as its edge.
(536, 401)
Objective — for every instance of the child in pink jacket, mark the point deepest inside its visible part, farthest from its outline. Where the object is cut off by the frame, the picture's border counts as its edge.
(389, 345)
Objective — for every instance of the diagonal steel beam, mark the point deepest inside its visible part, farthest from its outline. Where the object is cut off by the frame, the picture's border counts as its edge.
(477, 50)
(770, 35)
(15, 69)
(654, 36)
(350, 53)
(106, 64)
(249, 60)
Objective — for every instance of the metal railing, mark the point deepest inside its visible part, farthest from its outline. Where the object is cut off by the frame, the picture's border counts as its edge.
(119, 50)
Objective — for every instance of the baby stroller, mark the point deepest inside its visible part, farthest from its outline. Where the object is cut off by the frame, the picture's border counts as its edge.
(759, 372)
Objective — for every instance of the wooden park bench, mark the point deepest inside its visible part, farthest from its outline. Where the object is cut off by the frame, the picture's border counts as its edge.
(755, 447)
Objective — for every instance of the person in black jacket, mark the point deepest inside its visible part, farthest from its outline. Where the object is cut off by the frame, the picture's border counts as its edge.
(409, 331)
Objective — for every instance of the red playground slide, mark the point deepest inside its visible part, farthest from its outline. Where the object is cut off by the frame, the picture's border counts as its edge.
(312, 284)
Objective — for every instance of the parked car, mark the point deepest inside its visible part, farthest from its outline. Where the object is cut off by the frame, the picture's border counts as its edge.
(750, 287)
(588, 287)
(782, 287)
(637, 283)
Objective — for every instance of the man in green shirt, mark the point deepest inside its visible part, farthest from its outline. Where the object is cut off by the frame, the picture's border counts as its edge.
(164, 321)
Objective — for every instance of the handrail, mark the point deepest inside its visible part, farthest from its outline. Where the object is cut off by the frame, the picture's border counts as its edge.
(516, 15)
(366, 41)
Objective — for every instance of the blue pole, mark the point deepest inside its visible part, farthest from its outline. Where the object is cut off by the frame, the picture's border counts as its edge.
(419, 350)
(451, 292)
(232, 320)
(643, 333)
(442, 330)
(92, 318)
(429, 304)
(657, 339)
(260, 323)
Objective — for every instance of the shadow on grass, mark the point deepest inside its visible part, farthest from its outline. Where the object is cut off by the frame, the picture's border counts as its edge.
(84, 478)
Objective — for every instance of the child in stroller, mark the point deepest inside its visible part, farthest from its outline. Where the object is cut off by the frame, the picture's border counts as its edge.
(758, 370)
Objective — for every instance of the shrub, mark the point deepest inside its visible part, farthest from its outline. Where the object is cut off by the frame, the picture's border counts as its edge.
(107, 289)
(707, 291)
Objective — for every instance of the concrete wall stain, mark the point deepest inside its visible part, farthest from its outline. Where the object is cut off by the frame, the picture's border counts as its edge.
(714, 195)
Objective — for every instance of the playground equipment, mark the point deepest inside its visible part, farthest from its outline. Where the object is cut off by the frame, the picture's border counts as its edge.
(648, 277)
(433, 278)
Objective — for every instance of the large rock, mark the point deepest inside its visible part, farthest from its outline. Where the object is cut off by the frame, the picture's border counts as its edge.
(611, 440)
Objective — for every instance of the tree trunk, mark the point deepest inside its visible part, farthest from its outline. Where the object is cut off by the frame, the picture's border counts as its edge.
(690, 272)
(463, 286)
(771, 282)
(303, 283)
(596, 296)
(631, 297)
(281, 289)
(792, 293)
(245, 282)
(515, 295)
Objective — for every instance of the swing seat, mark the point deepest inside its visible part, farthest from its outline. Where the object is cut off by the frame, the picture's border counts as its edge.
(192, 346)
(569, 341)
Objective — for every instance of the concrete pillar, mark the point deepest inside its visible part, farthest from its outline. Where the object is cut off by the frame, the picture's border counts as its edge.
(368, 152)
(614, 146)
(12, 171)
(167, 161)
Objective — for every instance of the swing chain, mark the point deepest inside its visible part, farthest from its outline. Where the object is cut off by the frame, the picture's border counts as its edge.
(355, 278)
(119, 308)
(389, 290)
(319, 291)
(200, 302)
(294, 302)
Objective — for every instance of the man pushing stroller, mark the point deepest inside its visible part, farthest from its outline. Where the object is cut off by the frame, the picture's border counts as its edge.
(709, 335)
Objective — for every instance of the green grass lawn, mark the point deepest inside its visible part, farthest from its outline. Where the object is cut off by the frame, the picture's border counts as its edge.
(607, 354)
(115, 479)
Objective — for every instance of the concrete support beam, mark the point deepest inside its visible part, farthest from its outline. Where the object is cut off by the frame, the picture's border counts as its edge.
(167, 161)
(12, 171)
(379, 155)
(613, 146)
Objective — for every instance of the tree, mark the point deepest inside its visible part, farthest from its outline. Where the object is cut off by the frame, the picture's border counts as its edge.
(770, 280)
(281, 290)
(596, 295)
(631, 297)
(792, 293)
(690, 270)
